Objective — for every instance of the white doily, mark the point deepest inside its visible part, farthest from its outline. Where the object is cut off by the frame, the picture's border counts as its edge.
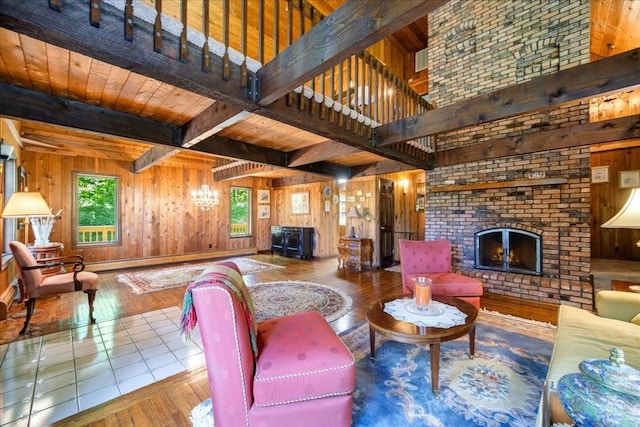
(449, 317)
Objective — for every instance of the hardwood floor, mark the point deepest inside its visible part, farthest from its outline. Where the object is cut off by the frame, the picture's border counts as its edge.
(168, 402)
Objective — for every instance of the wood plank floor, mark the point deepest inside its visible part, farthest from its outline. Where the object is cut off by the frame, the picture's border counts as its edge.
(168, 402)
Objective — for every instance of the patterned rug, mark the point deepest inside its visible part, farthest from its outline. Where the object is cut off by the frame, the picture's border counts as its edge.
(275, 299)
(172, 277)
(501, 386)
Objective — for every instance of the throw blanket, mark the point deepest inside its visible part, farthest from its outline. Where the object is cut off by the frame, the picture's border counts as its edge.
(229, 275)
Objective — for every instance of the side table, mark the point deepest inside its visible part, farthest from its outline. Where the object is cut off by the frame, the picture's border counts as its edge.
(45, 252)
(355, 250)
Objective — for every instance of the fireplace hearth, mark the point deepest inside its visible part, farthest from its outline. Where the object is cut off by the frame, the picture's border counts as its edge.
(508, 250)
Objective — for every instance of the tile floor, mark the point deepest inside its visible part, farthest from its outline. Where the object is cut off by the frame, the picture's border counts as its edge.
(45, 379)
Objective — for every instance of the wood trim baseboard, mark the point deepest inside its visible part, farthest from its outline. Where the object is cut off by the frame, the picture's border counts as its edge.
(146, 262)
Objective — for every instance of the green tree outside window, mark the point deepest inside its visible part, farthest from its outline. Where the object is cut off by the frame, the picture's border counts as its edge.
(96, 209)
(240, 202)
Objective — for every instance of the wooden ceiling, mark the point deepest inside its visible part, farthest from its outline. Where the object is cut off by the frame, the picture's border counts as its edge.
(43, 67)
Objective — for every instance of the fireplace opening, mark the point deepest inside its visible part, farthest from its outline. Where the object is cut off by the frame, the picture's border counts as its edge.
(509, 250)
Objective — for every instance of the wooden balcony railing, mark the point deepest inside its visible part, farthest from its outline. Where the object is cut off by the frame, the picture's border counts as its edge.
(360, 93)
(97, 234)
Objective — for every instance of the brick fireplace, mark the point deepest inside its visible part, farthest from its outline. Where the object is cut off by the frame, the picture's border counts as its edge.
(497, 194)
(474, 50)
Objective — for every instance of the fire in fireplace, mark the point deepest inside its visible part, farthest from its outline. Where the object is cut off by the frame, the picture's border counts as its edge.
(509, 250)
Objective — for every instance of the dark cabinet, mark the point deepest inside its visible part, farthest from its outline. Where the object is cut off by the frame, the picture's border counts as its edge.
(292, 241)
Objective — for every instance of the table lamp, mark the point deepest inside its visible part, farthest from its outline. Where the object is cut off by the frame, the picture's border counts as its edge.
(353, 213)
(25, 204)
(629, 215)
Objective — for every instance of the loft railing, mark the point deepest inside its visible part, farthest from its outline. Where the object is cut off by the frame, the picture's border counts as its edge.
(359, 93)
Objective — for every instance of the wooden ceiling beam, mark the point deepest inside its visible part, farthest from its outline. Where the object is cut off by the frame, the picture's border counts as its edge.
(242, 170)
(211, 121)
(582, 82)
(20, 103)
(379, 168)
(567, 137)
(321, 126)
(318, 152)
(152, 157)
(300, 179)
(349, 30)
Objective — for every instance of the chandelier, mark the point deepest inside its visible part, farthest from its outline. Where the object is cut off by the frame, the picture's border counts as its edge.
(204, 198)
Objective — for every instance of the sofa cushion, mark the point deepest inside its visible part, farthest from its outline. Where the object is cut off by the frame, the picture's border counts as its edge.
(451, 284)
(304, 360)
(636, 319)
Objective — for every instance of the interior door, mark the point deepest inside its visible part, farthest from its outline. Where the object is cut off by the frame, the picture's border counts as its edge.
(386, 215)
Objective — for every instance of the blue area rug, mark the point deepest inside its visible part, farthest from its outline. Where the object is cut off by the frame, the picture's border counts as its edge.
(501, 386)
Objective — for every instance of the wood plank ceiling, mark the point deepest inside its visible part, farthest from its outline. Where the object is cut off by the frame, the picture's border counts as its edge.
(43, 67)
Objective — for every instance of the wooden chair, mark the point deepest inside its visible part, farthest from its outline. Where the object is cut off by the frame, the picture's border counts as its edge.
(35, 284)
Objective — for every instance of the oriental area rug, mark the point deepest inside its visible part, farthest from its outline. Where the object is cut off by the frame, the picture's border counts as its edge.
(501, 386)
(172, 277)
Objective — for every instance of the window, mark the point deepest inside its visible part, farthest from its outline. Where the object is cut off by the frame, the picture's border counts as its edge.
(240, 212)
(96, 210)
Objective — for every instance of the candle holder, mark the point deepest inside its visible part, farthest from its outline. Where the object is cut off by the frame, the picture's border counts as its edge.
(422, 292)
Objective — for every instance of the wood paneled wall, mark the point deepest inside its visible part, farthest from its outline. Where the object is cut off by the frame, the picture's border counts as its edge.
(606, 200)
(157, 218)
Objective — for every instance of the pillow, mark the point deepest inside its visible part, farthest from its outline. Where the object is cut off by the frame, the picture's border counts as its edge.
(636, 319)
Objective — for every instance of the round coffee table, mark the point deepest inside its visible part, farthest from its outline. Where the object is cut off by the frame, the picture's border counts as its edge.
(397, 330)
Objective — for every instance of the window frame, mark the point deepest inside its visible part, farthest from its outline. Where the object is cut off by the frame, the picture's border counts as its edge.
(249, 232)
(76, 215)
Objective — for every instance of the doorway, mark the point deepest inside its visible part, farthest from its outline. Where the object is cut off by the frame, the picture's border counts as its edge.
(386, 215)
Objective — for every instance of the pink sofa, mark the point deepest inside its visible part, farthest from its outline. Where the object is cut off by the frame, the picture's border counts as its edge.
(287, 371)
(432, 258)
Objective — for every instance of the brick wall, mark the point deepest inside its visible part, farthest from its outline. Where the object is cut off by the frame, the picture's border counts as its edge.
(475, 49)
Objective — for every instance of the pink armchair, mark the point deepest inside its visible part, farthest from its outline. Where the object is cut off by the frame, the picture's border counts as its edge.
(36, 284)
(287, 371)
(432, 258)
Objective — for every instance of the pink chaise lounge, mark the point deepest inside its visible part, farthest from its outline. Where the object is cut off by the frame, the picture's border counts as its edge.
(432, 258)
(288, 371)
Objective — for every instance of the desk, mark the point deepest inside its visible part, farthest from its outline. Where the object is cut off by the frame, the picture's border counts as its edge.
(355, 250)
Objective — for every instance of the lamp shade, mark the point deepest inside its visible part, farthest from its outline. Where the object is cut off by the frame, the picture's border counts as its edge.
(353, 213)
(629, 215)
(22, 204)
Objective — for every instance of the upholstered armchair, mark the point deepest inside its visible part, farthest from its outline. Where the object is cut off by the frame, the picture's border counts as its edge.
(432, 258)
(288, 371)
(35, 284)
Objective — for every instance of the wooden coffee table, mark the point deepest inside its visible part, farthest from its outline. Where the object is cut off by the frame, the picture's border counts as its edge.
(397, 330)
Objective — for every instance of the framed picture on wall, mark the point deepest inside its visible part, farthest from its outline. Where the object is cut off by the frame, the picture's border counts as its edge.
(300, 203)
(629, 179)
(599, 174)
(264, 211)
(264, 196)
